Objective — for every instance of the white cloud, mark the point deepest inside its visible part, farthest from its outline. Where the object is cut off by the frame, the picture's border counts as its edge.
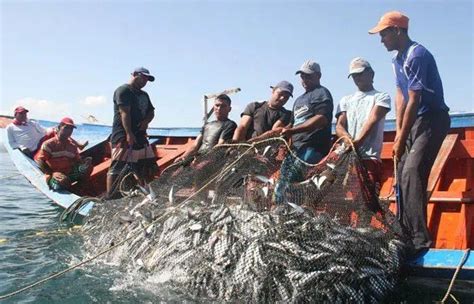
(44, 109)
(94, 101)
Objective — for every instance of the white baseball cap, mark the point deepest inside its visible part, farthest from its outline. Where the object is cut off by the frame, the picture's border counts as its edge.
(358, 65)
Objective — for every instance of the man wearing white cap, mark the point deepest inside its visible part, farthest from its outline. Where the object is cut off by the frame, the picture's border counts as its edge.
(311, 127)
(361, 117)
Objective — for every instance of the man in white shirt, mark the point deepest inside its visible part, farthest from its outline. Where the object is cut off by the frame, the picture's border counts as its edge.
(361, 117)
(25, 134)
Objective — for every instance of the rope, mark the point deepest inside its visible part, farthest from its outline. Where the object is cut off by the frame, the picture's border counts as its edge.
(451, 284)
(290, 150)
(394, 180)
(182, 204)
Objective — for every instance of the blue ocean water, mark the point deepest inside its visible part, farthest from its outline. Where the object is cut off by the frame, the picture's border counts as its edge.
(34, 245)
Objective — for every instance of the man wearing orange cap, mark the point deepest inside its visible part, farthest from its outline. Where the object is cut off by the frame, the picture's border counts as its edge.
(59, 158)
(422, 122)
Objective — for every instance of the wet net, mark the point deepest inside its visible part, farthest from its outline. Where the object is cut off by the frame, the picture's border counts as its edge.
(253, 223)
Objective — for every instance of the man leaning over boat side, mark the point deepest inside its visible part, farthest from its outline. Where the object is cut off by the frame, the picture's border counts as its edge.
(59, 158)
(361, 118)
(215, 132)
(28, 135)
(260, 120)
(422, 122)
(133, 112)
(311, 127)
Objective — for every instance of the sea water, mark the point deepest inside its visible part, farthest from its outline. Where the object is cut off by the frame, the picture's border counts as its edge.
(34, 245)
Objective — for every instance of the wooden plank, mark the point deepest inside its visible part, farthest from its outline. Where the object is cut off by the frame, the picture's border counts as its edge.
(440, 162)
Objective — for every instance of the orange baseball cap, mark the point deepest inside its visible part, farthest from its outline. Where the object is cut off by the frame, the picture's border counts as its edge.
(393, 18)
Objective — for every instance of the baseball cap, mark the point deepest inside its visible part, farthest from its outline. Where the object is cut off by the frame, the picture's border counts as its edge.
(284, 86)
(392, 18)
(68, 121)
(143, 71)
(20, 109)
(309, 67)
(358, 65)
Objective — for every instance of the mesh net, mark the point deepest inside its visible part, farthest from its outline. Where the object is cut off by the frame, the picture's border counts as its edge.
(254, 223)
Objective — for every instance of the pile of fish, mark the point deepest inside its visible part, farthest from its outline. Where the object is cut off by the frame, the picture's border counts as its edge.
(231, 252)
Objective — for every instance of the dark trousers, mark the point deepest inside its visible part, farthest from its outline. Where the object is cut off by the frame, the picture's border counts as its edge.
(422, 147)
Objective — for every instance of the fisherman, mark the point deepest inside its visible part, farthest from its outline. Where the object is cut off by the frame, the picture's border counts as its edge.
(422, 122)
(361, 117)
(59, 158)
(215, 132)
(133, 112)
(28, 135)
(311, 127)
(264, 119)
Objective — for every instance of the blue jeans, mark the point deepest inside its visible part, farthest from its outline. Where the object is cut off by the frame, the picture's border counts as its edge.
(293, 170)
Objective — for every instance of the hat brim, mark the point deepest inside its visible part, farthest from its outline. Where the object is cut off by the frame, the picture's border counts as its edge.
(356, 71)
(305, 72)
(151, 78)
(378, 28)
(284, 90)
(71, 125)
(22, 111)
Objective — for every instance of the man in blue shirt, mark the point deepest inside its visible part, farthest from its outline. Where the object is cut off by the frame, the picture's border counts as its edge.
(422, 122)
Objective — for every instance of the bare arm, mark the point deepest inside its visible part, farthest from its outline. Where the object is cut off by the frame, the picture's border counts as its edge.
(191, 150)
(315, 122)
(376, 114)
(44, 167)
(275, 131)
(409, 117)
(241, 131)
(146, 121)
(127, 124)
(400, 107)
(341, 126)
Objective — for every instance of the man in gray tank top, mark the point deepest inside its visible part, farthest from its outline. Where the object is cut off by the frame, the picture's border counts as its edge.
(215, 132)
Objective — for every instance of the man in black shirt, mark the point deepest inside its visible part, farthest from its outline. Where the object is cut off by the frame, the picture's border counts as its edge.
(264, 119)
(133, 112)
(215, 132)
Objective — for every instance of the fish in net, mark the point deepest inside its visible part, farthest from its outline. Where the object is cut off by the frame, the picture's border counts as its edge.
(214, 225)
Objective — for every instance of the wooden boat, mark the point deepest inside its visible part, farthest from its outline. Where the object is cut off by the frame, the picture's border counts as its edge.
(451, 189)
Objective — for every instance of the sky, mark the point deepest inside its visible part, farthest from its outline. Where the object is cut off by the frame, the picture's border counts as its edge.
(66, 58)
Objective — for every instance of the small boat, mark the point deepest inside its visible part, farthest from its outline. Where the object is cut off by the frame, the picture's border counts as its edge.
(450, 209)
(168, 146)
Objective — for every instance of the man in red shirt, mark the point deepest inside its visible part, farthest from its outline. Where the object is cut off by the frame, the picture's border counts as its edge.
(59, 158)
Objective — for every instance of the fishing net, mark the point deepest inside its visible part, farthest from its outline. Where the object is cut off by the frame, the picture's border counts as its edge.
(213, 225)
